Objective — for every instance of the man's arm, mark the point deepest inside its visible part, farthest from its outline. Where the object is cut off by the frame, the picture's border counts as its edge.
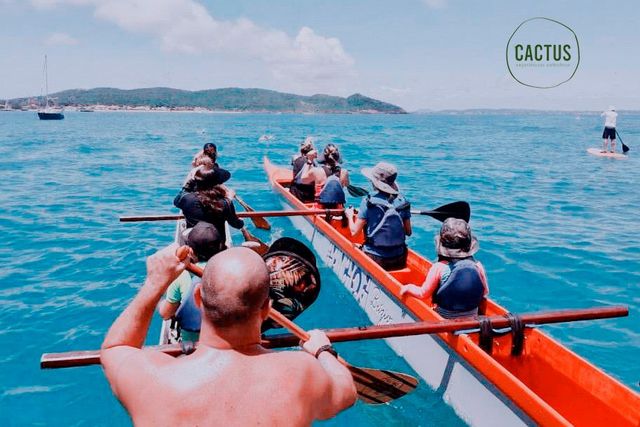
(341, 392)
(126, 336)
(168, 309)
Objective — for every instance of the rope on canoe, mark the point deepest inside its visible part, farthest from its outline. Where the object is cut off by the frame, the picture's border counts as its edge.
(517, 333)
(486, 334)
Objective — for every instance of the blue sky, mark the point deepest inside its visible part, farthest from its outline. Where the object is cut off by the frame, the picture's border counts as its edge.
(432, 54)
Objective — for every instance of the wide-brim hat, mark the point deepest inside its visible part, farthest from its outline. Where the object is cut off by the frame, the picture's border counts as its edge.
(292, 245)
(383, 177)
(211, 178)
(456, 240)
(294, 278)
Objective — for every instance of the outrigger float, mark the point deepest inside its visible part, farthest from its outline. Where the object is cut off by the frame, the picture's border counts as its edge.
(524, 378)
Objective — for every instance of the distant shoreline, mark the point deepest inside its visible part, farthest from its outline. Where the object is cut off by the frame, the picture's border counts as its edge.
(505, 112)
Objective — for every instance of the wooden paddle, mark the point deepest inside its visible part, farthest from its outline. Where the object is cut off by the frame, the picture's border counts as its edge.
(374, 386)
(258, 221)
(92, 357)
(460, 209)
(624, 147)
(260, 247)
(253, 214)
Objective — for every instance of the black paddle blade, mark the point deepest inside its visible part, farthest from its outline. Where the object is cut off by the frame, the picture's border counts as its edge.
(624, 146)
(356, 191)
(460, 210)
(376, 386)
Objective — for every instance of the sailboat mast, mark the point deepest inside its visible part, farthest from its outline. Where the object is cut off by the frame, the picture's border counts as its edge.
(46, 84)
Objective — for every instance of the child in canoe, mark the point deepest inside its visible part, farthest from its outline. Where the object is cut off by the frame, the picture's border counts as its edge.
(457, 283)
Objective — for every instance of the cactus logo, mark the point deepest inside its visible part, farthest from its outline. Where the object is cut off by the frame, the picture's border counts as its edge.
(543, 53)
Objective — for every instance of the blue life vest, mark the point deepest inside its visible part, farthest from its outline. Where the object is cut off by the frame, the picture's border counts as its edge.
(463, 289)
(188, 315)
(332, 191)
(389, 232)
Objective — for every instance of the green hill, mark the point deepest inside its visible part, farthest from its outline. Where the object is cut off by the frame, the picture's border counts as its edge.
(228, 99)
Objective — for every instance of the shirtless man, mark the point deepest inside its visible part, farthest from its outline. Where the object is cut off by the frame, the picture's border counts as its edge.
(230, 379)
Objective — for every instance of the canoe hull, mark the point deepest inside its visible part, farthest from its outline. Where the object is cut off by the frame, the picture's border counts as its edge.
(546, 385)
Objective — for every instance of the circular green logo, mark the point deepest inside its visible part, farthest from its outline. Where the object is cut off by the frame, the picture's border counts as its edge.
(543, 53)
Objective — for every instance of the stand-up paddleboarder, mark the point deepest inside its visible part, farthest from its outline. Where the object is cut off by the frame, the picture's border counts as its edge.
(609, 133)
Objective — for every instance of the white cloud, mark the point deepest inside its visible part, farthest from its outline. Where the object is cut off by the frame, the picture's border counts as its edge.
(60, 39)
(187, 26)
(435, 4)
(49, 4)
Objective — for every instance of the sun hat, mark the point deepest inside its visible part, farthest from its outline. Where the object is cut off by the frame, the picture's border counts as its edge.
(294, 279)
(383, 177)
(456, 240)
(205, 240)
(208, 179)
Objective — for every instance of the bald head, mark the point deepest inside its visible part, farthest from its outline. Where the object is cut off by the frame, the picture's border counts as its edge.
(235, 285)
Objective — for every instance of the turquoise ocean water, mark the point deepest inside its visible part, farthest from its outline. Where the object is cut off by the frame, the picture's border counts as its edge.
(558, 229)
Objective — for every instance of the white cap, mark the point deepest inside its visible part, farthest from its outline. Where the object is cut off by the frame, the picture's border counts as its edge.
(612, 108)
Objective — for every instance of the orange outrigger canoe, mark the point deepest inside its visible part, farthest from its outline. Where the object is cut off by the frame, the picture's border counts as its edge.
(547, 384)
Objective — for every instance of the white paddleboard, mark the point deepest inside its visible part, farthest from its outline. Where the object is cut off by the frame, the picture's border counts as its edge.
(596, 152)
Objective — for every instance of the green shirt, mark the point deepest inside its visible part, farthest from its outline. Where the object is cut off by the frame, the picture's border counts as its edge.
(181, 286)
(178, 290)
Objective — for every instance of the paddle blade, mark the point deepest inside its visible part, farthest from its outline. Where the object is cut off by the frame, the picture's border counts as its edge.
(356, 191)
(376, 386)
(624, 146)
(259, 222)
(460, 210)
(254, 243)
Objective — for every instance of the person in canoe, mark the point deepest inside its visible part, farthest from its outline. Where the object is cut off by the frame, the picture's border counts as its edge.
(329, 178)
(205, 241)
(457, 283)
(209, 201)
(209, 150)
(230, 379)
(304, 190)
(385, 218)
(609, 132)
(201, 166)
(330, 149)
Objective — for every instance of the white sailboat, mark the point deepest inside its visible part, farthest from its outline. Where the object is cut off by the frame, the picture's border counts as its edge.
(49, 112)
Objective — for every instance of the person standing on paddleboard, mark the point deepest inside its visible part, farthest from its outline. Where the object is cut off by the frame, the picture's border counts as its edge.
(230, 379)
(609, 133)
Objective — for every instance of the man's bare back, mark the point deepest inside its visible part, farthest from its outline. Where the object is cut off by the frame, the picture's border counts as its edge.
(230, 379)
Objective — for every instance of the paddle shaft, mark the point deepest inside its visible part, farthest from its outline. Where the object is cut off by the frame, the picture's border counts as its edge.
(239, 214)
(92, 357)
(260, 214)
